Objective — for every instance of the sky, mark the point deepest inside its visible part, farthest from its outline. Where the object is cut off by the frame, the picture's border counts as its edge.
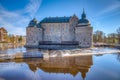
(15, 15)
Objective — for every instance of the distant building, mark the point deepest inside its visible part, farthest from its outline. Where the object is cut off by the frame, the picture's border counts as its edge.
(57, 31)
(3, 35)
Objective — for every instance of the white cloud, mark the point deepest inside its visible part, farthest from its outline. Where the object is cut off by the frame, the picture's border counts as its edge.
(12, 29)
(111, 8)
(16, 22)
(33, 7)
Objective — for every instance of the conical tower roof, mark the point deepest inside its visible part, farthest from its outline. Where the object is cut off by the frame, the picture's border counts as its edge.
(83, 18)
(33, 23)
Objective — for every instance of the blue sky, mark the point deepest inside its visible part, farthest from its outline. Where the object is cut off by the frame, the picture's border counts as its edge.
(15, 14)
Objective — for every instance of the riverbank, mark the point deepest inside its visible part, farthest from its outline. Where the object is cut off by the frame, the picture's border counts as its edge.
(5, 46)
(106, 45)
(20, 56)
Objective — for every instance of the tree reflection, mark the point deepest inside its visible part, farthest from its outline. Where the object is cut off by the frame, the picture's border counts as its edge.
(118, 57)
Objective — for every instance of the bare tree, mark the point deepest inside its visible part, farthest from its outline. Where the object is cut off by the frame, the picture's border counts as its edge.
(98, 36)
(118, 35)
(112, 38)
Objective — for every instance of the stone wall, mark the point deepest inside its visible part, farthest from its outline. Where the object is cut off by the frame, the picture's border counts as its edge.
(34, 35)
(84, 36)
(73, 23)
(57, 32)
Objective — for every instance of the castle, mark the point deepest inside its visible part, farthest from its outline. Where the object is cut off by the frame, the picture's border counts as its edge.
(59, 32)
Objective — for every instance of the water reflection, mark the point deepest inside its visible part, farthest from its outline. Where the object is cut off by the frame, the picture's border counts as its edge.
(5, 46)
(118, 57)
(61, 67)
(19, 49)
(64, 65)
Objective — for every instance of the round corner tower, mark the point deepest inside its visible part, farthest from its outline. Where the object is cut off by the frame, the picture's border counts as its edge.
(83, 32)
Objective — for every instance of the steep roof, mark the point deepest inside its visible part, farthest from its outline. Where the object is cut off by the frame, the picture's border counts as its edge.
(2, 28)
(56, 20)
(33, 23)
(83, 21)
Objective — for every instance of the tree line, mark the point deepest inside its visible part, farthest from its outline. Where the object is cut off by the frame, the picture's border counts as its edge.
(101, 37)
(14, 39)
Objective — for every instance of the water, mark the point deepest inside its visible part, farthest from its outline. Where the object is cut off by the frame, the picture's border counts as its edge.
(61, 66)
(13, 50)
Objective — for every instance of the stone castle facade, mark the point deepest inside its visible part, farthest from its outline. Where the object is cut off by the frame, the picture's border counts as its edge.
(59, 31)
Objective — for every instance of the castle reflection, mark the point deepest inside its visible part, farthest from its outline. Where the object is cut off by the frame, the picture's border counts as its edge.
(71, 65)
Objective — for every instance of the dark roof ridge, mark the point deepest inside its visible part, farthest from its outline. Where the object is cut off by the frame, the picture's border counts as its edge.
(55, 19)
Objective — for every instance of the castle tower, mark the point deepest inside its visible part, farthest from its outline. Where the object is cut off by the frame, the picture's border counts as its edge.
(33, 23)
(83, 31)
(33, 34)
(84, 22)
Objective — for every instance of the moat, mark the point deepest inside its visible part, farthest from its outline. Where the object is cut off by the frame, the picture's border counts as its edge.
(105, 66)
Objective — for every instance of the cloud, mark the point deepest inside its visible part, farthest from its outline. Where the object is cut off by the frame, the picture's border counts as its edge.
(115, 5)
(33, 7)
(12, 29)
(16, 22)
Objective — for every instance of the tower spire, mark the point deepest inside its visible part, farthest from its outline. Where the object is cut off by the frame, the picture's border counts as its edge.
(83, 14)
(34, 18)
